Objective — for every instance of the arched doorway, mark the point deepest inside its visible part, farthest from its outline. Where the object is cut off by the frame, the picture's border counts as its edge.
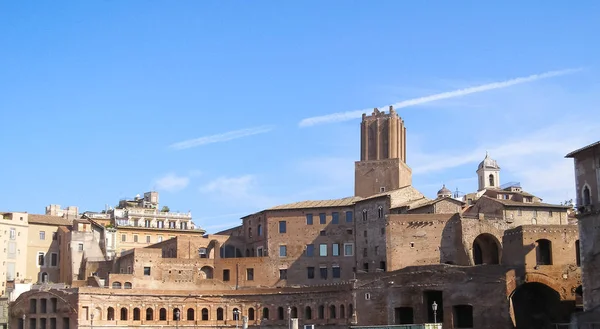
(486, 250)
(206, 272)
(537, 306)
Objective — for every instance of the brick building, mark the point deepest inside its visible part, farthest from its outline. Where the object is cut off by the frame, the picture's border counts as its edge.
(383, 256)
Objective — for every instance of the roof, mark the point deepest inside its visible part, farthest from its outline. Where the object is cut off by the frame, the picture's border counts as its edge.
(585, 148)
(434, 201)
(398, 197)
(511, 203)
(49, 220)
(349, 201)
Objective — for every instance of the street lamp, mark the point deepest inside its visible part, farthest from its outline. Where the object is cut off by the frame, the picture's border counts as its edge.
(236, 315)
(92, 318)
(289, 317)
(177, 318)
(434, 308)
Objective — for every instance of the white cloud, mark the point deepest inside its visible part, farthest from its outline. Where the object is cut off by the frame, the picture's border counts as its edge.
(230, 135)
(344, 116)
(238, 191)
(172, 183)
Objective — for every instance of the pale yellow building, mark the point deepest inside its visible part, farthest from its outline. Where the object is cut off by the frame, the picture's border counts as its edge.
(43, 250)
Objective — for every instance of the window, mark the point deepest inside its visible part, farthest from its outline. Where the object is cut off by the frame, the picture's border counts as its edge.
(323, 233)
(146, 270)
(309, 219)
(323, 272)
(365, 233)
(380, 212)
(335, 218)
(349, 231)
(159, 239)
(54, 236)
(259, 230)
(310, 272)
(225, 275)
(364, 215)
(535, 214)
(382, 189)
(491, 178)
(577, 253)
(204, 314)
(147, 239)
(310, 250)
(335, 249)
(80, 247)
(376, 250)
(544, 252)
(365, 252)
(323, 249)
(282, 251)
(13, 233)
(348, 249)
(53, 259)
(463, 316)
(519, 212)
(322, 218)
(250, 274)
(42, 235)
(282, 227)
(40, 258)
(349, 216)
(403, 315)
(336, 272)
(283, 274)
(259, 251)
(135, 238)
(250, 232)
(123, 238)
(550, 213)
(587, 199)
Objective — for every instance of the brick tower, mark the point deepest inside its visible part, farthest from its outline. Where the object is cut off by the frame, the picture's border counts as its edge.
(382, 166)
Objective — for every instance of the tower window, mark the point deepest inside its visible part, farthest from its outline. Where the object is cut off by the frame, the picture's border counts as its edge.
(491, 180)
(382, 189)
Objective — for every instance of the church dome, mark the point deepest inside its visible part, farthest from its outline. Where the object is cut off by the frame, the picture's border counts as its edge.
(488, 163)
(444, 192)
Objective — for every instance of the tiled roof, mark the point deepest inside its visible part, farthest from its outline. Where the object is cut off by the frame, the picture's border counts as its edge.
(49, 220)
(434, 201)
(570, 155)
(511, 203)
(318, 204)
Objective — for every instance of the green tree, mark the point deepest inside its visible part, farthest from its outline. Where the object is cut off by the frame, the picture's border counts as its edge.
(165, 209)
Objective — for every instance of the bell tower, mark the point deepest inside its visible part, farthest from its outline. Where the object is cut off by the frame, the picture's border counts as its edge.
(382, 166)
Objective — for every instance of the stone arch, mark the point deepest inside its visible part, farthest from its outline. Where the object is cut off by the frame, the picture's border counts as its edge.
(537, 305)
(308, 313)
(486, 249)
(210, 249)
(97, 312)
(110, 314)
(206, 272)
(116, 285)
(491, 179)
(586, 195)
(149, 314)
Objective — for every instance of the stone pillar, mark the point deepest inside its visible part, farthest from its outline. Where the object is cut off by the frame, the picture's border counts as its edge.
(294, 323)
(244, 322)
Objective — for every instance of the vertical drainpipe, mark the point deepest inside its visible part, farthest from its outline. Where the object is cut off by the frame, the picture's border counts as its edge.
(237, 276)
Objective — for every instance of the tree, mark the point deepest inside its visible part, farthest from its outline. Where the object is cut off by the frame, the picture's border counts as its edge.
(165, 209)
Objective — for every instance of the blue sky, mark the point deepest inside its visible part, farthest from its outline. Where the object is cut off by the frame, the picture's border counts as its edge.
(96, 96)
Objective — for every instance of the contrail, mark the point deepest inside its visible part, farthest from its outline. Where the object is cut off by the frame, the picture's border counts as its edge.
(344, 116)
(235, 134)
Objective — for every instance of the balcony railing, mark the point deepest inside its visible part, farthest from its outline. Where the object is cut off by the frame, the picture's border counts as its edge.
(156, 213)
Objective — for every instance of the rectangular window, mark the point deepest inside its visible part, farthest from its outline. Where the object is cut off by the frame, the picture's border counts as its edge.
(250, 274)
(348, 249)
(376, 250)
(310, 272)
(147, 239)
(535, 214)
(282, 251)
(335, 218)
(310, 250)
(159, 239)
(13, 233)
(80, 247)
(42, 235)
(309, 219)
(336, 272)
(335, 249)
(146, 270)
(323, 249)
(323, 233)
(54, 236)
(323, 273)
(135, 238)
(322, 218)
(123, 238)
(259, 251)
(282, 227)
(40, 258)
(225, 275)
(53, 259)
(365, 252)
(12, 250)
(283, 274)
(550, 214)
(349, 216)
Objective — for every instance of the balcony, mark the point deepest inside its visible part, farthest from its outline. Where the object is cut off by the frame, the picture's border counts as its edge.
(156, 213)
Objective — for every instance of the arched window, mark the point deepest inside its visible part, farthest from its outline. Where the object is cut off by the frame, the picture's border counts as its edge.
(250, 232)
(587, 198)
(219, 314)
(190, 314)
(364, 215)
(259, 230)
(342, 312)
(332, 313)
(308, 313)
(149, 314)
(250, 313)
(236, 314)
(543, 252)
(116, 285)
(44, 277)
(204, 314)
(110, 314)
(577, 253)
(294, 312)
(162, 314)
(123, 314)
(280, 314)
(127, 285)
(380, 212)
(176, 314)
(265, 314)
(136, 314)
(491, 177)
(322, 312)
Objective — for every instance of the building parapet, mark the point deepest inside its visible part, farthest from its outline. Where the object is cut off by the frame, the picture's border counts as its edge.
(157, 213)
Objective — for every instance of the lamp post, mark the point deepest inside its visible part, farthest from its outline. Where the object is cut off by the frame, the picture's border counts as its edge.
(236, 315)
(434, 308)
(289, 317)
(92, 318)
(24, 317)
(177, 318)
